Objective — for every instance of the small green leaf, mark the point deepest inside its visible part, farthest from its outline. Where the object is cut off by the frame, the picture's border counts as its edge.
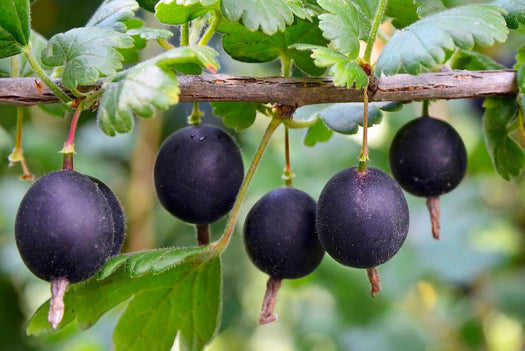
(247, 46)
(402, 12)
(423, 45)
(14, 26)
(507, 156)
(146, 86)
(515, 12)
(345, 24)
(38, 43)
(317, 133)
(268, 15)
(86, 53)
(184, 300)
(344, 71)
(111, 13)
(183, 11)
(474, 61)
(236, 115)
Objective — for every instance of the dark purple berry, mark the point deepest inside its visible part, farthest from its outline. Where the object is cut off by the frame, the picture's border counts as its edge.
(280, 236)
(362, 217)
(64, 228)
(428, 159)
(119, 220)
(198, 173)
(281, 240)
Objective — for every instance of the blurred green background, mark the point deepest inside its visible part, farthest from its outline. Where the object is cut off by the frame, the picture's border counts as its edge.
(465, 292)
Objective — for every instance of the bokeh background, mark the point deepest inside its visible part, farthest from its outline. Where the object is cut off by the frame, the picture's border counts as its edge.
(465, 292)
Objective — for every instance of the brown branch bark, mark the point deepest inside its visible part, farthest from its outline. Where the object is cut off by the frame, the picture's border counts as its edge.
(302, 91)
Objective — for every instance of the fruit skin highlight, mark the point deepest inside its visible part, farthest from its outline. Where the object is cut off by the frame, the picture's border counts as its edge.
(428, 157)
(198, 173)
(280, 236)
(362, 217)
(64, 228)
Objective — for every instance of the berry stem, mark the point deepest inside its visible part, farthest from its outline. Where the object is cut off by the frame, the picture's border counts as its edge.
(288, 174)
(363, 157)
(69, 146)
(203, 234)
(270, 298)
(195, 117)
(424, 108)
(56, 305)
(185, 34)
(378, 18)
(223, 242)
(435, 212)
(39, 71)
(375, 281)
(215, 20)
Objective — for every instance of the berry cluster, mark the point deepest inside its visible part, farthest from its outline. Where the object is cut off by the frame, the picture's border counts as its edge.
(69, 224)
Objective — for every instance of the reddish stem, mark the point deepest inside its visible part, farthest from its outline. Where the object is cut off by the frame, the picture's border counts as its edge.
(364, 151)
(69, 146)
(435, 212)
(203, 234)
(288, 172)
(270, 298)
(375, 281)
(56, 305)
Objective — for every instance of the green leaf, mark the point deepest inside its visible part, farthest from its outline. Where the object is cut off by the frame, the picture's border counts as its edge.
(317, 133)
(423, 45)
(515, 12)
(520, 75)
(344, 71)
(507, 156)
(86, 53)
(345, 23)
(402, 12)
(111, 13)
(236, 115)
(148, 5)
(268, 15)
(183, 11)
(38, 43)
(149, 85)
(474, 61)
(247, 46)
(14, 26)
(428, 7)
(182, 297)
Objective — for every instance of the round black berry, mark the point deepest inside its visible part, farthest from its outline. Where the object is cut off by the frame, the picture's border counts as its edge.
(362, 217)
(280, 236)
(119, 220)
(198, 173)
(64, 227)
(428, 157)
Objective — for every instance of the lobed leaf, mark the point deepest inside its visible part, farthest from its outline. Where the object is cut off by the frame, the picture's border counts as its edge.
(423, 45)
(515, 12)
(317, 133)
(38, 43)
(183, 11)
(345, 23)
(236, 115)
(402, 12)
(14, 26)
(111, 13)
(86, 53)
(428, 7)
(149, 85)
(507, 156)
(474, 61)
(269, 16)
(247, 46)
(345, 72)
(184, 299)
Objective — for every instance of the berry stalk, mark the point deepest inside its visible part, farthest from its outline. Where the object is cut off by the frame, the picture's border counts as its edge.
(288, 174)
(363, 157)
(56, 305)
(69, 146)
(270, 298)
